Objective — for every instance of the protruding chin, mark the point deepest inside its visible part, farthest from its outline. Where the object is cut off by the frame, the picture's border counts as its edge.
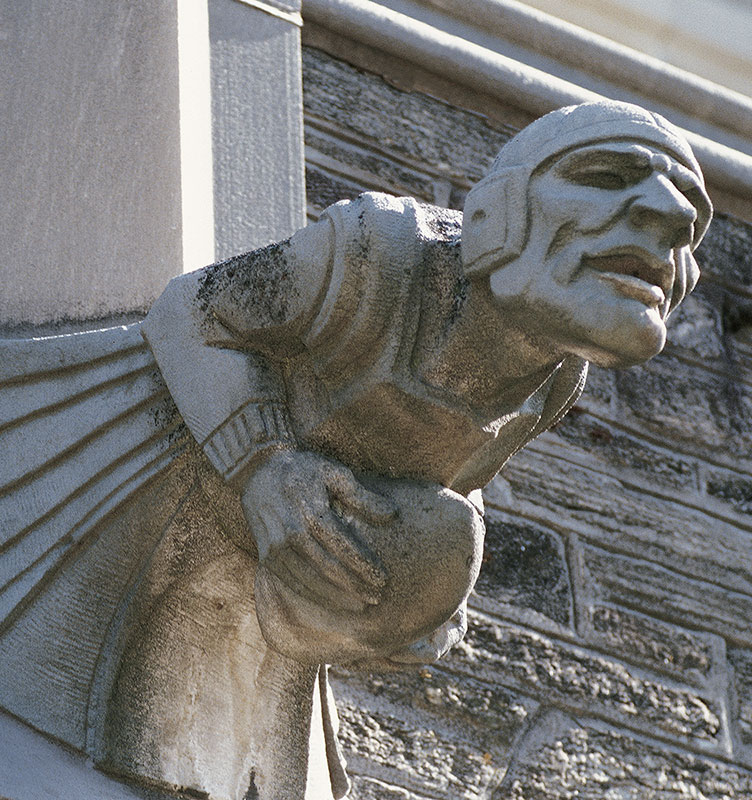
(632, 344)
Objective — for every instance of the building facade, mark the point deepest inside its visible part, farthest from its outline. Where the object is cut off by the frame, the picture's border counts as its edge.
(609, 653)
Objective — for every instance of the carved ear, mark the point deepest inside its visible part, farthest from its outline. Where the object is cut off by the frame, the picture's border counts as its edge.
(494, 226)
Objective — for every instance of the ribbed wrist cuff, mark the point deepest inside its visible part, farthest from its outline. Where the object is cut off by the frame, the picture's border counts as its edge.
(245, 434)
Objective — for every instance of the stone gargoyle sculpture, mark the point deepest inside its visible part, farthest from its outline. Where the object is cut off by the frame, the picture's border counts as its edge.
(279, 468)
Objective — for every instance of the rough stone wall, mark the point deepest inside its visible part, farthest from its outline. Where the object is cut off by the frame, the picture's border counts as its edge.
(609, 655)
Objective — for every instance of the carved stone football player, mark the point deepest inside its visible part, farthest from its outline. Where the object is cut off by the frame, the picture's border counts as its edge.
(352, 389)
(388, 359)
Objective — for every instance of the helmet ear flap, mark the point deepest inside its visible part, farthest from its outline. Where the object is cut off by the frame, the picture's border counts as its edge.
(494, 224)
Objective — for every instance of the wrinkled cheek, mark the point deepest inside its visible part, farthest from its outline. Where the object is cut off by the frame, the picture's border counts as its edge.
(565, 261)
(595, 217)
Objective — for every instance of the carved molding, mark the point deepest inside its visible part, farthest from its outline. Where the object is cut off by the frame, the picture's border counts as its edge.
(288, 11)
(728, 168)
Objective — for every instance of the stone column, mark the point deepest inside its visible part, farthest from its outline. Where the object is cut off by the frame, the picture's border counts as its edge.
(257, 111)
(90, 154)
(107, 160)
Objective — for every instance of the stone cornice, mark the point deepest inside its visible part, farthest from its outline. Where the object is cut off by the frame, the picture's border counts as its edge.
(551, 41)
(438, 43)
(288, 10)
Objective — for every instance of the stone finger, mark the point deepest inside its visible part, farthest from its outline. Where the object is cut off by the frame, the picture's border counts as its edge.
(311, 584)
(363, 503)
(335, 571)
(342, 544)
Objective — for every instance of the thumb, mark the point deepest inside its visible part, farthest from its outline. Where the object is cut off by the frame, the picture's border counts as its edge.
(432, 647)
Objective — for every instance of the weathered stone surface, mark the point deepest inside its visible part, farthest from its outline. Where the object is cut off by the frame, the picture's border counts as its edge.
(688, 655)
(372, 789)
(93, 135)
(663, 593)
(34, 768)
(738, 338)
(497, 712)
(416, 756)
(726, 252)
(580, 680)
(600, 390)
(525, 565)
(665, 528)
(566, 760)
(614, 449)
(375, 171)
(349, 389)
(732, 488)
(672, 397)
(695, 333)
(323, 189)
(418, 128)
(696, 328)
(740, 661)
(257, 136)
(429, 731)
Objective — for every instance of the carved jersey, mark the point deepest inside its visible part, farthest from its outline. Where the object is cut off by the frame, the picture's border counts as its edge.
(347, 327)
(397, 289)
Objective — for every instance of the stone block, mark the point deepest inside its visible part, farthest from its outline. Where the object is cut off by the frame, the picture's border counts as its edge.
(695, 328)
(371, 789)
(726, 251)
(497, 712)
(734, 489)
(583, 681)
(323, 189)
(525, 565)
(673, 398)
(614, 450)
(629, 517)
(564, 759)
(659, 592)
(428, 732)
(600, 390)
(419, 129)
(688, 655)
(91, 145)
(373, 169)
(740, 661)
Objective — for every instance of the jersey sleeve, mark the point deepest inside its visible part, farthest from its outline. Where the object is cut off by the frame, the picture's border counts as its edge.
(219, 334)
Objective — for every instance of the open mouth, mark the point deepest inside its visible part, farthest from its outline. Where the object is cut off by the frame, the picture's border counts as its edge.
(634, 273)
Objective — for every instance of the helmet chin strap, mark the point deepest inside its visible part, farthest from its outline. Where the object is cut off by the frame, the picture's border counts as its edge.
(688, 275)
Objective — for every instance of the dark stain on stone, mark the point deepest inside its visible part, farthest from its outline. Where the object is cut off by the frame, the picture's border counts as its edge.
(252, 793)
(737, 314)
(258, 286)
(599, 434)
(525, 566)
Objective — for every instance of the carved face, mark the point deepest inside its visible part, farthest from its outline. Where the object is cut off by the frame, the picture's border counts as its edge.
(611, 227)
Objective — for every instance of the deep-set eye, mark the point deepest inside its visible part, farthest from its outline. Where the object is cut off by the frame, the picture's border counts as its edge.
(600, 178)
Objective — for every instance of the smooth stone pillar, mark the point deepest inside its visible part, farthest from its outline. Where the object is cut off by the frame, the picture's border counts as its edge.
(257, 110)
(90, 155)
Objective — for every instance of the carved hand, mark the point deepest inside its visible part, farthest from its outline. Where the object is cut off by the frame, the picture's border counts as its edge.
(427, 650)
(296, 503)
(434, 646)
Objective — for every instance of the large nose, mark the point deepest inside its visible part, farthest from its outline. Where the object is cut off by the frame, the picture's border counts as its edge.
(660, 206)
